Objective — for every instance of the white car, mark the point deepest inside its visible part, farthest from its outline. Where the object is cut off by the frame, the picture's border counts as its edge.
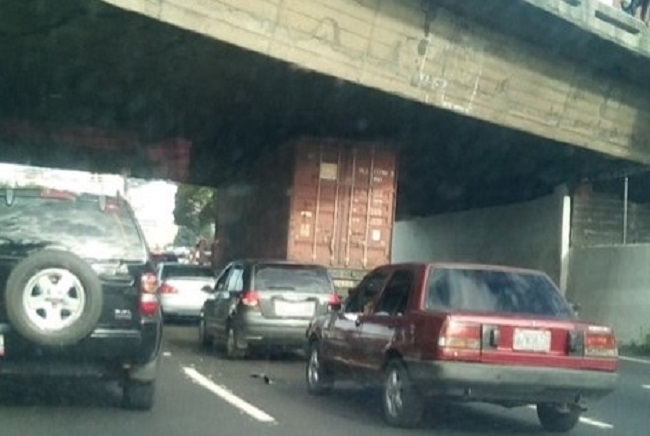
(183, 289)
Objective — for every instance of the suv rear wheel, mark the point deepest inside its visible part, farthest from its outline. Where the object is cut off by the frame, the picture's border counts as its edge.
(53, 298)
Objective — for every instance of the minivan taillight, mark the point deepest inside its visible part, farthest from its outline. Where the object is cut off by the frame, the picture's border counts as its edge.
(600, 342)
(460, 340)
(149, 303)
(251, 299)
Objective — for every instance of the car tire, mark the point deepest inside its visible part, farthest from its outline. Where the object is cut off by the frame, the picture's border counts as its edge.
(205, 339)
(138, 395)
(320, 381)
(556, 418)
(401, 403)
(37, 279)
(233, 352)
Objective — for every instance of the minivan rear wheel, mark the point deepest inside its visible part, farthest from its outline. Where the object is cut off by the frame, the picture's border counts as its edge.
(205, 339)
(232, 349)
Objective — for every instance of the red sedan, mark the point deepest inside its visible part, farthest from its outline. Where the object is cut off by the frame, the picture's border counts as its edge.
(464, 332)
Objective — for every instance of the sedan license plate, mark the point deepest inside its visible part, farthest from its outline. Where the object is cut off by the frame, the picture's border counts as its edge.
(298, 309)
(532, 340)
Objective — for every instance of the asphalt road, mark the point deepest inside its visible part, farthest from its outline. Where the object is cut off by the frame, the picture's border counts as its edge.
(201, 394)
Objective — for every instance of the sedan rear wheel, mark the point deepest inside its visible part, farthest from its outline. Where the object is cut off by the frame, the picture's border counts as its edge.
(319, 380)
(402, 404)
(557, 418)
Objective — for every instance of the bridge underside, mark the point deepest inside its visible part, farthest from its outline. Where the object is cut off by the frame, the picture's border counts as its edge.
(85, 65)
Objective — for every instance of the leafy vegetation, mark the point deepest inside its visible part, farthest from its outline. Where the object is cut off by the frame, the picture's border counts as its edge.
(194, 213)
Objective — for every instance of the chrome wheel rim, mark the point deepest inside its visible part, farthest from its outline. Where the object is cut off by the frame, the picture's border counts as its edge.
(54, 299)
(393, 393)
(313, 369)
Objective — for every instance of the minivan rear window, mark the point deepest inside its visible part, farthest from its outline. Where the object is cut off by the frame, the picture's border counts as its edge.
(296, 278)
(495, 291)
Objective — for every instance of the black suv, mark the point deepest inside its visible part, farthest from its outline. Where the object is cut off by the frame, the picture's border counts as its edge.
(78, 293)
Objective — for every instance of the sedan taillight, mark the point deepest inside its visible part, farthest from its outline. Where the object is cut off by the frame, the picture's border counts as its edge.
(600, 342)
(460, 340)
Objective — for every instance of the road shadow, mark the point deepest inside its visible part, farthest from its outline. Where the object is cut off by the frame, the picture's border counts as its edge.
(59, 393)
(363, 405)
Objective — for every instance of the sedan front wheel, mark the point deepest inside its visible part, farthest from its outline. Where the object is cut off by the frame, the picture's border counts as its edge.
(319, 380)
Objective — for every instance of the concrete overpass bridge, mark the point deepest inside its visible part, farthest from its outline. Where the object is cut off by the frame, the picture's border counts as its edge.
(488, 102)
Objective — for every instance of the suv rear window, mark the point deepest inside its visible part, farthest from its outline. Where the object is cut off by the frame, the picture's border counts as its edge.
(298, 278)
(75, 223)
(495, 291)
(186, 271)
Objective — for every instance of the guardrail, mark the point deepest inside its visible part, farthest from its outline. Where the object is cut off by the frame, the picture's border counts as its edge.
(608, 20)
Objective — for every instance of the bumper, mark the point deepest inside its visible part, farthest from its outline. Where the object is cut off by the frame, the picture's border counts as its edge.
(104, 352)
(481, 382)
(273, 333)
(181, 308)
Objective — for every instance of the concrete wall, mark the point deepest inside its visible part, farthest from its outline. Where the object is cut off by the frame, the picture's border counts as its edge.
(526, 235)
(612, 285)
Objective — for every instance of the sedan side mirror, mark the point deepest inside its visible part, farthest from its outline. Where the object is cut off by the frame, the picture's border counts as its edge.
(207, 289)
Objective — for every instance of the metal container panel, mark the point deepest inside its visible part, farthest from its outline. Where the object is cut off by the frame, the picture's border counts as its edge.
(342, 204)
(321, 201)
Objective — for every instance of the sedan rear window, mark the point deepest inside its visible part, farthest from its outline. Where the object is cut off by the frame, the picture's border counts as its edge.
(297, 278)
(495, 291)
(186, 271)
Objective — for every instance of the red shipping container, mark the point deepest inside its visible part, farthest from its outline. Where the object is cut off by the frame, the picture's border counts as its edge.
(323, 201)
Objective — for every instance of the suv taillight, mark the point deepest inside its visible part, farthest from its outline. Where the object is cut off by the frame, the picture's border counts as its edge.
(251, 299)
(600, 342)
(149, 303)
(460, 340)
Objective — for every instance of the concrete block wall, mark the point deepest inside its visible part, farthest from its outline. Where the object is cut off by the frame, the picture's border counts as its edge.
(612, 286)
(525, 235)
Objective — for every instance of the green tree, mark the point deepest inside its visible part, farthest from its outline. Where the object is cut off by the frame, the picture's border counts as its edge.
(194, 212)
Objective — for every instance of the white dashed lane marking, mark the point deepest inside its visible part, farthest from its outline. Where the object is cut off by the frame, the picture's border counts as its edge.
(228, 396)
